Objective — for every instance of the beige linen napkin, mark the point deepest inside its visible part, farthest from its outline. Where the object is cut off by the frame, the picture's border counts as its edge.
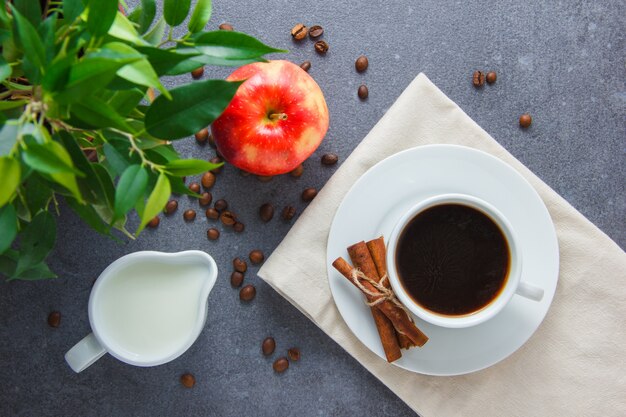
(575, 364)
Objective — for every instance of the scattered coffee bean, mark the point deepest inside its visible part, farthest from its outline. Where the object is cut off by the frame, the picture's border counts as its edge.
(316, 31)
(281, 365)
(491, 77)
(525, 120)
(266, 211)
(264, 178)
(188, 380)
(247, 293)
(256, 257)
(226, 26)
(239, 227)
(194, 187)
(197, 73)
(329, 159)
(154, 222)
(212, 214)
(294, 354)
(299, 31)
(171, 207)
(321, 47)
(478, 79)
(208, 180)
(363, 92)
(306, 65)
(268, 346)
(244, 173)
(206, 198)
(220, 205)
(361, 63)
(212, 142)
(202, 136)
(236, 279)
(288, 213)
(308, 194)
(297, 172)
(240, 265)
(227, 218)
(189, 215)
(54, 319)
(212, 234)
(216, 160)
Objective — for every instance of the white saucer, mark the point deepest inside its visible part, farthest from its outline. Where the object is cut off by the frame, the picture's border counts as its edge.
(378, 199)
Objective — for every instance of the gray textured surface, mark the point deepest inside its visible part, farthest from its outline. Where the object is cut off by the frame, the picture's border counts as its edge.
(563, 63)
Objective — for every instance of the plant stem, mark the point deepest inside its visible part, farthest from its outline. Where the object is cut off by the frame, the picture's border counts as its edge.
(135, 148)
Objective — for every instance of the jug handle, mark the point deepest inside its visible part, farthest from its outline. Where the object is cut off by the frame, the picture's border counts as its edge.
(84, 353)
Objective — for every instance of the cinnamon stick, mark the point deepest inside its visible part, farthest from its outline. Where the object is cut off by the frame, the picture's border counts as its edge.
(361, 259)
(378, 252)
(396, 315)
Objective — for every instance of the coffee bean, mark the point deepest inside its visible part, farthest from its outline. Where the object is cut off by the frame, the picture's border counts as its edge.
(294, 354)
(236, 279)
(216, 160)
(54, 319)
(247, 293)
(361, 63)
(329, 159)
(299, 31)
(306, 65)
(525, 120)
(226, 26)
(268, 346)
(197, 73)
(244, 173)
(297, 172)
(266, 212)
(212, 142)
(239, 227)
(256, 257)
(491, 77)
(171, 207)
(316, 31)
(227, 218)
(212, 214)
(281, 365)
(154, 222)
(240, 265)
(288, 213)
(202, 136)
(264, 178)
(208, 180)
(363, 92)
(220, 205)
(189, 215)
(478, 79)
(308, 194)
(212, 234)
(206, 198)
(321, 47)
(194, 187)
(188, 380)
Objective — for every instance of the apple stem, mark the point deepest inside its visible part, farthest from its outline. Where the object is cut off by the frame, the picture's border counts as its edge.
(277, 116)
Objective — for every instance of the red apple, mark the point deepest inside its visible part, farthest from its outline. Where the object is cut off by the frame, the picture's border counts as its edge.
(276, 120)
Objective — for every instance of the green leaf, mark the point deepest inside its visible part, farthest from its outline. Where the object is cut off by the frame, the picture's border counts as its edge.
(10, 174)
(163, 60)
(116, 160)
(35, 272)
(101, 15)
(159, 196)
(28, 39)
(37, 239)
(155, 35)
(184, 167)
(72, 9)
(46, 32)
(37, 194)
(8, 226)
(89, 216)
(7, 105)
(5, 69)
(8, 136)
(124, 101)
(193, 107)
(58, 73)
(49, 158)
(107, 185)
(30, 9)
(8, 262)
(130, 188)
(192, 63)
(175, 11)
(232, 45)
(98, 113)
(148, 12)
(122, 28)
(200, 16)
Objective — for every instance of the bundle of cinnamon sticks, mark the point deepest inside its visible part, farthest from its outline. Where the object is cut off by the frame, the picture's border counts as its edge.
(395, 327)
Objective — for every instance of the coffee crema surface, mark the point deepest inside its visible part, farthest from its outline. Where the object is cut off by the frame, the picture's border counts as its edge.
(452, 259)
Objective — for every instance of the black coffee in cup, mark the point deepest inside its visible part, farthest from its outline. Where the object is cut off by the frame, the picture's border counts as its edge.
(452, 259)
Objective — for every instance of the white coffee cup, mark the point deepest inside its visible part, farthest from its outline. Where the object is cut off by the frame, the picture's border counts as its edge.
(146, 308)
(513, 284)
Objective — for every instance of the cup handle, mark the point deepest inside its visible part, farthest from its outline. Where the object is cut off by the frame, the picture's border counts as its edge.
(84, 353)
(529, 291)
